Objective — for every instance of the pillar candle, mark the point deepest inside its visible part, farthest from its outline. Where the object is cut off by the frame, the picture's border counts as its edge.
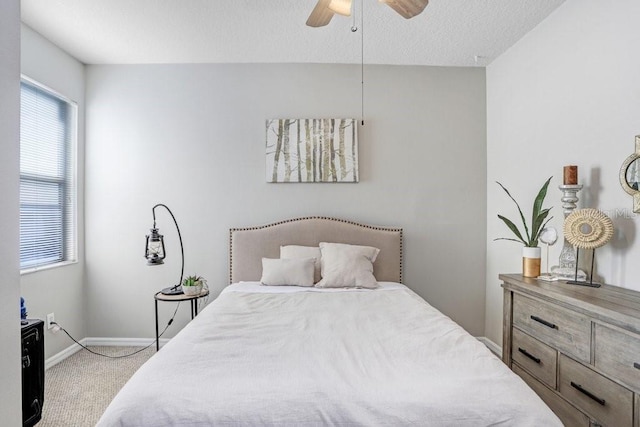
(570, 175)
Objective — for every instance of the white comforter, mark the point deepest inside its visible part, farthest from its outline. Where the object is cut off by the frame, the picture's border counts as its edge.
(291, 356)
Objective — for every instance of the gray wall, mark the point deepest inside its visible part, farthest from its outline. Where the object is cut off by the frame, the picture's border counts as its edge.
(192, 136)
(567, 93)
(10, 400)
(58, 290)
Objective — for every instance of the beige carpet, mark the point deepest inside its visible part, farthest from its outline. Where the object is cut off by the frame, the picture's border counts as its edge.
(79, 389)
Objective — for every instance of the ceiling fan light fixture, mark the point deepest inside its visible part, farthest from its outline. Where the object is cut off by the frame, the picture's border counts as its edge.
(341, 7)
(325, 9)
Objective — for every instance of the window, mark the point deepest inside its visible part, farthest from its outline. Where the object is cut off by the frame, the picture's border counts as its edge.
(47, 178)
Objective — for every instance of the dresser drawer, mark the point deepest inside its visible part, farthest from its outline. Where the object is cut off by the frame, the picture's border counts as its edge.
(618, 355)
(607, 402)
(563, 329)
(569, 415)
(536, 357)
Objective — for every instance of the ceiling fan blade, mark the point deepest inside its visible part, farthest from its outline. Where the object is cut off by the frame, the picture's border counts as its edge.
(341, 7)
(407, 8)
(321, 14)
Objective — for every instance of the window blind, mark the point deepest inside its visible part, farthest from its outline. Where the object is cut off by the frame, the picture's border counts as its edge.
(47, 178)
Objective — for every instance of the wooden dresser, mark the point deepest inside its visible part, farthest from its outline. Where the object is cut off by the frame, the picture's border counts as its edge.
(577, 347)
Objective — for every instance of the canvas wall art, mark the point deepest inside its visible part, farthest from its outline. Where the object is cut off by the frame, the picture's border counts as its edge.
(312, 150)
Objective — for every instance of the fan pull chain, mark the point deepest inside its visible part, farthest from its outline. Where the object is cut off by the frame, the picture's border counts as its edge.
(354, 28)
(354, 23)
(362, 61)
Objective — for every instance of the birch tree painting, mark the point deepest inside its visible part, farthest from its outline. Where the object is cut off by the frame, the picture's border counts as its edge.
(312, 150)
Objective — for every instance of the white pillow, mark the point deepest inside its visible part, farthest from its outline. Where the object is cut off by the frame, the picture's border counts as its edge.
(347, 266)
(295, 252)
(295, 272)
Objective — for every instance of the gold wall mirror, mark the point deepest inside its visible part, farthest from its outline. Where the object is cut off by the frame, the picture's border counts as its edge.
(630, 176)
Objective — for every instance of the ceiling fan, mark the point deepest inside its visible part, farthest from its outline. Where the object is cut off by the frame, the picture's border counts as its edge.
(325, 9)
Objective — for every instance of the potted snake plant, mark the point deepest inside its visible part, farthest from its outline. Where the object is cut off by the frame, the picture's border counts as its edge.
(531, 253)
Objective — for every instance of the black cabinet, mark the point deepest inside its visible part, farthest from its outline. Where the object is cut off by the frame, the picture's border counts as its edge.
(32, 371)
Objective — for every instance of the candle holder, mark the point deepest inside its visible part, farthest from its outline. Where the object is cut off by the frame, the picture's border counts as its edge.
(568, 260)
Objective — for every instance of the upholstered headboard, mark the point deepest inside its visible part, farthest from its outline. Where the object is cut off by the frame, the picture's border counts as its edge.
(247, 246)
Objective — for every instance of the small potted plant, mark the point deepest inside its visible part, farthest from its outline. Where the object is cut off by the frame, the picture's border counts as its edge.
(531, 253)
(193, 285)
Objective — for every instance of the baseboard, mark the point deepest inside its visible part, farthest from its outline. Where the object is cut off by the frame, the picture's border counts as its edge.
(122, 342)
(100, 342)
(495, 348)
(59, 357)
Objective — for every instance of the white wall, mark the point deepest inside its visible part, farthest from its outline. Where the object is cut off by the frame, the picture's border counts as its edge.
(567, 93)
(10, 379)
(59, 290)
(192, 136)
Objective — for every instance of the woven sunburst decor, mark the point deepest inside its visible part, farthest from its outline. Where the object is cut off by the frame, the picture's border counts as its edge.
(588, 228)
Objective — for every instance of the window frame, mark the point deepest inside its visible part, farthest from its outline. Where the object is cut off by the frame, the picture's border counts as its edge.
(70, 209)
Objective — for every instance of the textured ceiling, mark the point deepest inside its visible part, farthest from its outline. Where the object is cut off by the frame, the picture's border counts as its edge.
(447, 33)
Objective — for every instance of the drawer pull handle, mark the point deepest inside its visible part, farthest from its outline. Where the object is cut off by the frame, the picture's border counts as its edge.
(544, 322)
(636, 365)
(529, 355)
(587, 393)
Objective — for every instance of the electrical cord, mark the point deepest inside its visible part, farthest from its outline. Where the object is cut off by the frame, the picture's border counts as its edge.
(123, 355)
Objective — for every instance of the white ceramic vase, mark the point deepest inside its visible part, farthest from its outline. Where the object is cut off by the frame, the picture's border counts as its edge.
(531, 260)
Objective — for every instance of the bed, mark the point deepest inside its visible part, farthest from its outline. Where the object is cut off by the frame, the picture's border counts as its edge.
(293, 355)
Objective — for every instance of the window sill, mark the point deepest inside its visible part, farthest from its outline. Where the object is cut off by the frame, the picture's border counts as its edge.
(46, 267)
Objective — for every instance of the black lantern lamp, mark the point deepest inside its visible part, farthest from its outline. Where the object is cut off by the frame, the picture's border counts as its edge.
(154, 250)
